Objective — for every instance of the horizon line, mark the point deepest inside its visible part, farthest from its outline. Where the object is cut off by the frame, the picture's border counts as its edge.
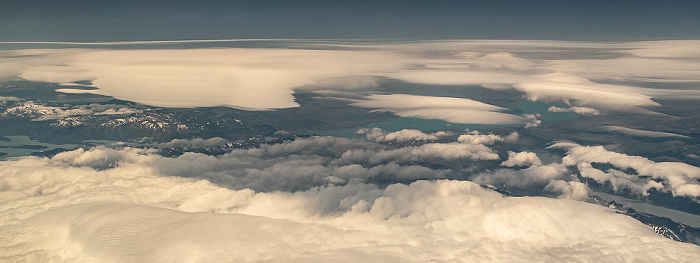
(183, 41)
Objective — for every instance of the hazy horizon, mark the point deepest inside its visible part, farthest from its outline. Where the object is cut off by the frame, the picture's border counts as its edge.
(166, 20)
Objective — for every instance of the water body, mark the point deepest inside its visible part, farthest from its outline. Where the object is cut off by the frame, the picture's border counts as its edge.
(675, 215)
(22, 145)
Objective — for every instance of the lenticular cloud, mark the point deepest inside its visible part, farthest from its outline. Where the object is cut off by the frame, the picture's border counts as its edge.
(63, 209)
(455, 110)
(225, 76)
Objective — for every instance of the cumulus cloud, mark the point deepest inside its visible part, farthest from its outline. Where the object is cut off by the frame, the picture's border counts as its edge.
(634, 174)
(618, 179)
(553, 178)
(455, 110)
(101, 157)
(475, 137)
(405, 135)
(678, 178)
(532, 177)
(134, 213)
(532, 120)
(521, 159)
(568, 189)
(295, 165)
(446, 151)
(194, 143)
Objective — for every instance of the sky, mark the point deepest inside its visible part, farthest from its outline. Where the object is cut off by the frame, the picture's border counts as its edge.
(44, 20)
(215, 148)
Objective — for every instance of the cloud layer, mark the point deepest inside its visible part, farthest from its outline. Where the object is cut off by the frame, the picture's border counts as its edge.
(300, 164)
(242, 78)
(266, 78)
(63, 209)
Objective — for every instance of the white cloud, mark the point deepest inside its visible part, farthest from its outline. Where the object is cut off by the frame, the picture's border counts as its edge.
(266, 78)
(521, 159)
(423, 153)
(643, 133)
(575, 109)
(475, 137)
(673, 61)
(194, 143)
(678, 178)
(3, 99)
(533, 120)
(667, 49)
(631, 68)
(39, 112)
(449, 151)
(133, 213)
(236, 77)
(405, 135)
(458, 77)
(532, 177)
(455, 110)
(295, 165)
(618, 179)
(107, 205)
(559, 87)
(579, 81)
(568, 189)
